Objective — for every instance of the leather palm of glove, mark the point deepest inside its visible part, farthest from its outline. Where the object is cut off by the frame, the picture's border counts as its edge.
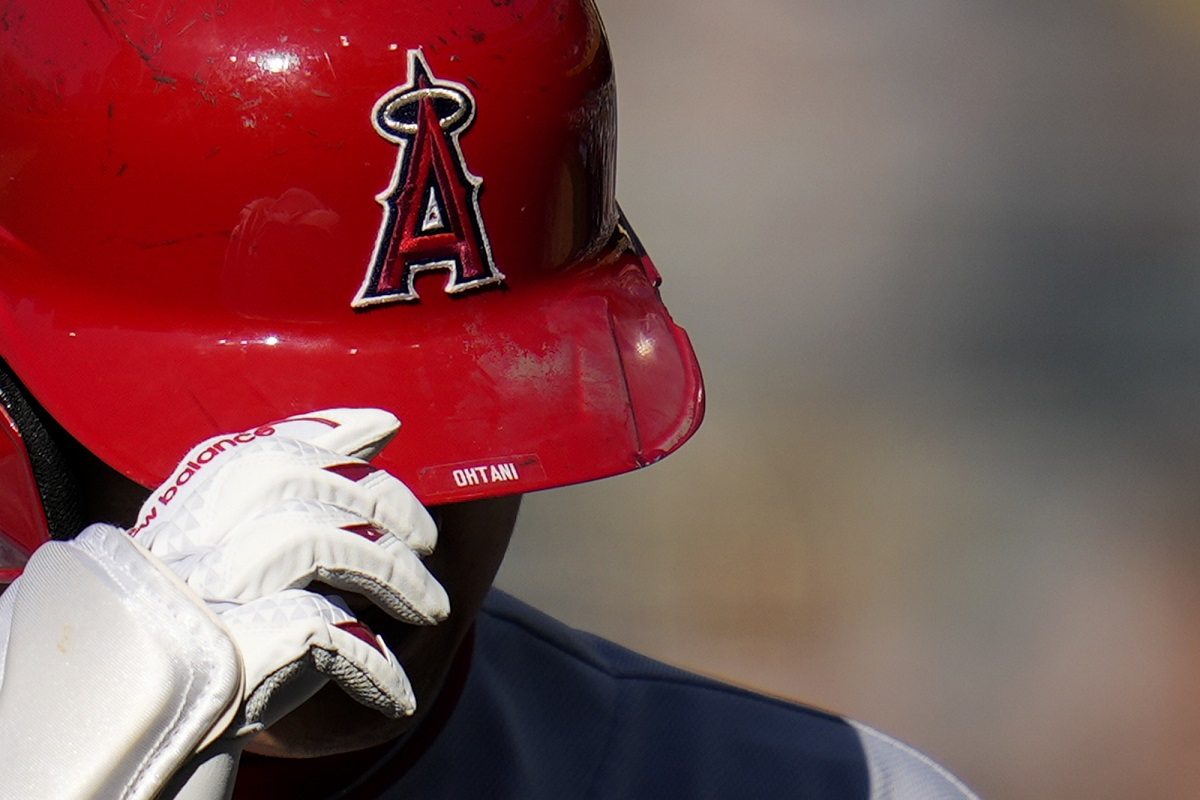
(201, 627)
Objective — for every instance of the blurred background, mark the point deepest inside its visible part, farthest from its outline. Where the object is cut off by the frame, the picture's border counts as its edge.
(940, 263)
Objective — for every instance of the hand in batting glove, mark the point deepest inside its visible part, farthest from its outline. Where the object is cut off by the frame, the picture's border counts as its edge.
(122, 659)
(248, 521)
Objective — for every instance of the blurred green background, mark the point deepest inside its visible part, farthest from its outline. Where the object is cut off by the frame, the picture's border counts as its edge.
(940, 263)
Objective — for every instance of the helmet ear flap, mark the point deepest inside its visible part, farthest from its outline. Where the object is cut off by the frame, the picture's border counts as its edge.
(39, 498)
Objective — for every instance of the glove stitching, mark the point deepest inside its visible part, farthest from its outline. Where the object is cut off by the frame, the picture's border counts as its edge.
(326, 660)
(414, 615)
(256, 701)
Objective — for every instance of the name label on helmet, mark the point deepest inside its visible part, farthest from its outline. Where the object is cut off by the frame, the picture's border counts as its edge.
(431, 217)
(470, 478)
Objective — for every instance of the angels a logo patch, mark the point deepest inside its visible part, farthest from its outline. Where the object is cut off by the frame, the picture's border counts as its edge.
(431, 217)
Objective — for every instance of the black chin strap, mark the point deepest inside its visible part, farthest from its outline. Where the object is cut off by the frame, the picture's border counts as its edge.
(56, 483)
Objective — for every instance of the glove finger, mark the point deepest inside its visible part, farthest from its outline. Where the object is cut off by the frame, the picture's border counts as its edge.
(294, 641)
(282, 471)
(357, 432)
(393, 507)
(358, 660)
(309, 541)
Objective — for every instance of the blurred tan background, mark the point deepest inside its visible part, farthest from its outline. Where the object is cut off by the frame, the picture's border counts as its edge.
(941, 263)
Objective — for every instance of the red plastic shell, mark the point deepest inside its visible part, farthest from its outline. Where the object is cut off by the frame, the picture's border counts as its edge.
(188, 206)
(22, 520)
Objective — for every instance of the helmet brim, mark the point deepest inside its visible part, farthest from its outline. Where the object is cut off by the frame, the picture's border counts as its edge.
(575, 377)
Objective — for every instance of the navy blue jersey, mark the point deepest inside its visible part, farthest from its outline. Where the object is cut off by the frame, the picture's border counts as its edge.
(550, 712)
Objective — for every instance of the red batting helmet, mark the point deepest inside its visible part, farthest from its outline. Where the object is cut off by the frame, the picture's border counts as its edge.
(216, 214)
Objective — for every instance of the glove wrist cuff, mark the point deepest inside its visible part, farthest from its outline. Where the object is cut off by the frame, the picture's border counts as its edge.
(144, 676)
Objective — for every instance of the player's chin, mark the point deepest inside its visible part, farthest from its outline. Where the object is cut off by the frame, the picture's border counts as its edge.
(330, 723)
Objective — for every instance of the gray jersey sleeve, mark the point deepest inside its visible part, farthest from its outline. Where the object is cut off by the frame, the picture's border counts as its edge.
(899, 772)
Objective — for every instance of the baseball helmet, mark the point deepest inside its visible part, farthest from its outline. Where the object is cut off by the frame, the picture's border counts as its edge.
(218, 214)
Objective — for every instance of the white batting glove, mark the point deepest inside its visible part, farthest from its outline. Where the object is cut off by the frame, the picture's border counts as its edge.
(248, 521)
(123, 661)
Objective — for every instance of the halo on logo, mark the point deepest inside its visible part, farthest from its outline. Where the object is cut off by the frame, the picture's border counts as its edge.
(396, 116)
